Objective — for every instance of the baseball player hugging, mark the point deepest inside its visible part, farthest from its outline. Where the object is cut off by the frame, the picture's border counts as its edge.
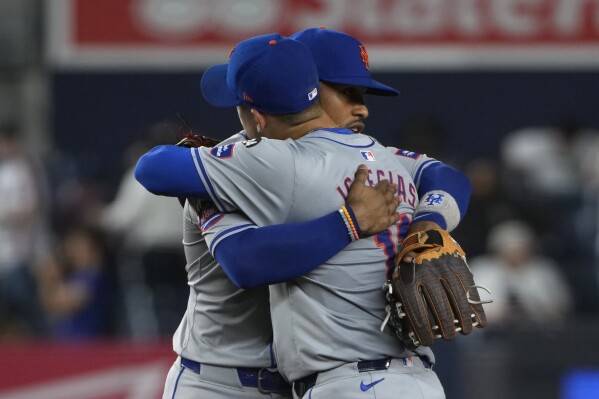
(326, 321)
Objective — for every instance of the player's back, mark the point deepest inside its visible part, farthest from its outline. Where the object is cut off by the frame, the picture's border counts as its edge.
(332, 315)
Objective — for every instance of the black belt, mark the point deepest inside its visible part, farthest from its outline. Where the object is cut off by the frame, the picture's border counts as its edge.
(262, 378)
(303, 385)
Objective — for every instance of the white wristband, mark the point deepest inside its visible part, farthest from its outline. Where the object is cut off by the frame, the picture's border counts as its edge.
(442, 203)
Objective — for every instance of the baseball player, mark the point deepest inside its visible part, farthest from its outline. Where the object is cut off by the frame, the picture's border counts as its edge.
(349, 283)
(342, 86)
(224, 340)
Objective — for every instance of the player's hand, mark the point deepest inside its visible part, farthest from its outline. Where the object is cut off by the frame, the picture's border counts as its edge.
(375, 208)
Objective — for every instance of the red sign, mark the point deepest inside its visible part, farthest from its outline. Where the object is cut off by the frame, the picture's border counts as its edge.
(207, 29)
(117, 370)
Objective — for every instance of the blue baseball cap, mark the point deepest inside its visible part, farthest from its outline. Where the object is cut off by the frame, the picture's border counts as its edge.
(341, 58)
(272, 73)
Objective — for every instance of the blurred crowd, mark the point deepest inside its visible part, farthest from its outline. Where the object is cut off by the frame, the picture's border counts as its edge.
(531, 231)
(82, 257)
(80, 260)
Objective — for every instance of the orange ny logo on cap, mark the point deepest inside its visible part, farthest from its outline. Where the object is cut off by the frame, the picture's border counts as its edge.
(364, 56)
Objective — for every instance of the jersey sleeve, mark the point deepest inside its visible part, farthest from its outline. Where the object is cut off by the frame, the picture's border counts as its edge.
(414, 163)
(218, 226)
(255, 176)
(444, 191)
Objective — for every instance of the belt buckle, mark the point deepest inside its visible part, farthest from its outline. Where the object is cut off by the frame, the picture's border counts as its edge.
(261, 378)
(374, 365)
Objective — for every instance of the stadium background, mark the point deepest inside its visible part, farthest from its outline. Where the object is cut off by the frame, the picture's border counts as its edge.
(85, 78)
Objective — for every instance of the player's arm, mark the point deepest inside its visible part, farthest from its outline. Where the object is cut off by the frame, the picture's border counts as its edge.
(171, 171)
(444, 194)
(444, 191)
(278, 253)
(256, 177)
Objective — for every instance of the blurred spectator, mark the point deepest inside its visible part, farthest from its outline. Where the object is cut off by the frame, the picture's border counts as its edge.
(546, 159)
(79, 189)
(75, 290)
(551, 172)
(488, 206)
(150, 259)
(21, 220)
(544, 172)
(526, 286)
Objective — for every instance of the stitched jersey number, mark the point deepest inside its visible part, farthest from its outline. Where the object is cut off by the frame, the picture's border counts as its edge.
(389, 240)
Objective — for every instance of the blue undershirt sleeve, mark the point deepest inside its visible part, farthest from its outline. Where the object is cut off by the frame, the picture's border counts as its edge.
(278, 253)
(170, 170)
(441, 177)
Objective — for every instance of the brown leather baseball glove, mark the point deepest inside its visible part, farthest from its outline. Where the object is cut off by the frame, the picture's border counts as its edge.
(435, 295)
(196, 140)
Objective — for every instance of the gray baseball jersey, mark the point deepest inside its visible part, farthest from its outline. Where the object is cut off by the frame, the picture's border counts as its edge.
(224, 327)
(332, 315)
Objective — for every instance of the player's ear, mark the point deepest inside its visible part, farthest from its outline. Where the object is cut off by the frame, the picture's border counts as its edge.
(260, 119)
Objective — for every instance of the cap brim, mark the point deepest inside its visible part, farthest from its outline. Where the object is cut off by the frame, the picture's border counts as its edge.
(372, 86)
(214, 87)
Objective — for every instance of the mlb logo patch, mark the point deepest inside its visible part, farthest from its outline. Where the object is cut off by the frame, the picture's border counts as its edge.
(368, 155)
(408, 362)
(312, 94)
(408, 154)
(222, 151)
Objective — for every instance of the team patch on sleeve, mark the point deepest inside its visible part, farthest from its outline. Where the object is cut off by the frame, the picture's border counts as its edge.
(408, 154)
(223, 151)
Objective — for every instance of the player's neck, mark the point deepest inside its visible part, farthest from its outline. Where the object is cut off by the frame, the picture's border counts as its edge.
(323, 122)
(281, 131)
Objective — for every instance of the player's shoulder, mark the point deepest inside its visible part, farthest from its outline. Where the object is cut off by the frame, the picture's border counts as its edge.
(406, 153)
(266, 143)
(237, 137)
(248, 148)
